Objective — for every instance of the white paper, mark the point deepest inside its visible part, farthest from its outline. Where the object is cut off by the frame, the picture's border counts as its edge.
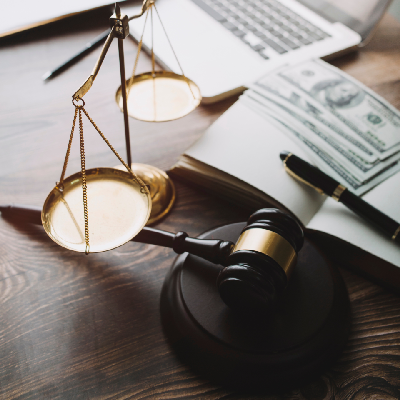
(334, 218)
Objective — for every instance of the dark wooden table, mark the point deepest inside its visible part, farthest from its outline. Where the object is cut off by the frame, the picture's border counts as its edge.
(78, 327)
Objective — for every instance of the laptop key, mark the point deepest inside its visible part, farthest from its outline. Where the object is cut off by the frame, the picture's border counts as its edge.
(259, 34)
(322, 34)
(224, 8)
(231, 13)
(228, 25)
(287, 28)
(289, 43)
(275, 46)
(240, 20)
(258, 47)
(276, 33)
(304, 41)
(297, 35)
(251, 28)
(314, 35)
(267, 25)
(239, 33)
(210, 11)
(248, 12)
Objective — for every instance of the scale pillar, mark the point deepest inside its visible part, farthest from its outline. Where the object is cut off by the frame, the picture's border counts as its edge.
(121, 25)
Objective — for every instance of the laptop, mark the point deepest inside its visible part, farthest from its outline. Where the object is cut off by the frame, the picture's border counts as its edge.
(222, 45)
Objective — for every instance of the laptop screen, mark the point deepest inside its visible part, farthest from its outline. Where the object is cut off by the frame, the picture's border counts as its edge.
(359, 15)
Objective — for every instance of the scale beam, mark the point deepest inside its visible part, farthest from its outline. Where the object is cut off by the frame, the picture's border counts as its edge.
(119, 29)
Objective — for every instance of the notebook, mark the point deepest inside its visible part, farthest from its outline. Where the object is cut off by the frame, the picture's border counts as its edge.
(31, 14)
(238, 159)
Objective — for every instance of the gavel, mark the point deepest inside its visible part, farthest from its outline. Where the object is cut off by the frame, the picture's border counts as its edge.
(256, 268)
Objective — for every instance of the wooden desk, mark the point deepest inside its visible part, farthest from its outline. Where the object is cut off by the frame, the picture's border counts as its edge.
(77, 327)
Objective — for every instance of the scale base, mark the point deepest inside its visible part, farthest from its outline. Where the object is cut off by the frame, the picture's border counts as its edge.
(162, 189)
(291, 344)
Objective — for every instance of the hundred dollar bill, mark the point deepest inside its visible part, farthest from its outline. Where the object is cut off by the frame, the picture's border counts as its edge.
(336, 169)
(273, 85)
(328, 144)
(321, 157)
(355, 160)
(367, 114)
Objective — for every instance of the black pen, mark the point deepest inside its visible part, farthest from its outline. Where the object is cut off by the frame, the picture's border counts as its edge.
(324, 184)
(87, 49)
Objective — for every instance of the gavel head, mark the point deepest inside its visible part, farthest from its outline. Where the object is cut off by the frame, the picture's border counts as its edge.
(259, 266)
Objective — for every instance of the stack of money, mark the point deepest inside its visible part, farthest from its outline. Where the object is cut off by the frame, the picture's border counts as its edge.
(347, 130)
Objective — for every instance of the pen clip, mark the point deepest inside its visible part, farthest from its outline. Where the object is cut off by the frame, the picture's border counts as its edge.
(293, 175)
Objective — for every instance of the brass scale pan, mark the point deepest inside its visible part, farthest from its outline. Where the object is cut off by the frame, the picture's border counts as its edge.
(160, 96)
(118, 210)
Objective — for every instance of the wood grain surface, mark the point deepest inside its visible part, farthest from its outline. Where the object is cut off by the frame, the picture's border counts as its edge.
(88, 327)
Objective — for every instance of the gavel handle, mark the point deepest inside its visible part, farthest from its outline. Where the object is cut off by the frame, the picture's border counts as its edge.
(22, 214)
(215, 251)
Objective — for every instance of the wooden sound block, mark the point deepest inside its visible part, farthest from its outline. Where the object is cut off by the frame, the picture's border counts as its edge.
(288, 345)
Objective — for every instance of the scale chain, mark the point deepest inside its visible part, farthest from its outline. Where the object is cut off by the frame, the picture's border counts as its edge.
(173, 51)
(60, 185)
(143, 186)
(153, 60)
(149, 10)
(84, 186)
(137, 54)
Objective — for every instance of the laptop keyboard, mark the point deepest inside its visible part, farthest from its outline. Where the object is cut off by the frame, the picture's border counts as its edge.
(263, 24)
